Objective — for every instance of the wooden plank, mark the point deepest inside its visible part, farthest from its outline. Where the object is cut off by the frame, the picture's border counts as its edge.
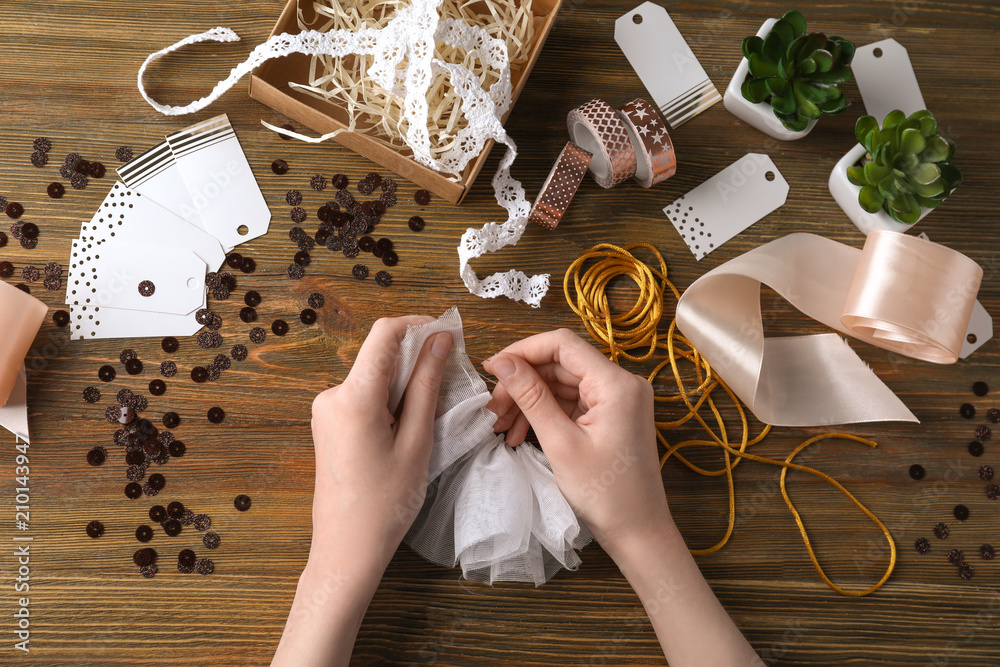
(69, 74)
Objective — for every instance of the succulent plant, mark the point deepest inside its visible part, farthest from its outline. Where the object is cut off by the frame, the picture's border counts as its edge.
(906, 166)
(797, 72)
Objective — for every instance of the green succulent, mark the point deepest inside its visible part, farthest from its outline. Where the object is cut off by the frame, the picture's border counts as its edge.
(797, 72)
(906, 166)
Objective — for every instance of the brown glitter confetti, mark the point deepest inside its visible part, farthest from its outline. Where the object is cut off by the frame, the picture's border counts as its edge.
(135, 472)
(956, 557)
(216, 415)
(56, 190)
(149, 571)
(316, 300)
(257, 335)
(239, 352)
(222, 361)
(365, 187)
(123, 154)
(39, 159)
(293, 197)
(966, 571)
(279, 327)
(209, 340)
(205, 566)
(941, 530)
(986, 552)
(211, 540)
(97, 455)
(961, 512)
(360, 271)
(95, 529)
(28, 244)
(199, 374)
(279, 167)
(992, 491)
(171, 419)
(187, 519)
(52, 283)
(388, 199)
(986, 473)
(967, 410)
(147, 288)
(242, 502)
(106, 373)
(42, 145)
(993, 416)
(92, 394)
(204, 315)
(78, 181)
(29, 274)
(305, 243)
(202, 522)
(922, 545)
(133, 490)
(168, 369)
(144, 533)
(297, 214)
(383, 278)
(983, 433)
(149, 490)
(295, 271)
(318, 183)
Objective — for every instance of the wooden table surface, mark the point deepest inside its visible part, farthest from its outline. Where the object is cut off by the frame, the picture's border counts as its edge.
(69, 72)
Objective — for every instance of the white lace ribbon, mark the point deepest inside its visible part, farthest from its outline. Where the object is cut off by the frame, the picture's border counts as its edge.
(412, 35)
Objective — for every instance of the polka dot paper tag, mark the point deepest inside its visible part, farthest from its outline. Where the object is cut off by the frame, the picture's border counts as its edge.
(728, 203)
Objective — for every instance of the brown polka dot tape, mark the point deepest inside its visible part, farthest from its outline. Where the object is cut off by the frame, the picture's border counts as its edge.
(597, 128)
(560, 187)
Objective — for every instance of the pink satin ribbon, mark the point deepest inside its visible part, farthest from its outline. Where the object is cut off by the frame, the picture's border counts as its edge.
(901, 293)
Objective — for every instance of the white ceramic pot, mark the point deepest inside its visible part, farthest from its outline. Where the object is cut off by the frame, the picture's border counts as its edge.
(759, 115)
(846, 194)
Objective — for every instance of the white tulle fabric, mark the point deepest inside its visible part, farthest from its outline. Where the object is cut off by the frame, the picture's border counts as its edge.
(495, 510)
(412, 36)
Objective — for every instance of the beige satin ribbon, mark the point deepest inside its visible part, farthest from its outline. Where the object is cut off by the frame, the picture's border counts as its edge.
(901, 293)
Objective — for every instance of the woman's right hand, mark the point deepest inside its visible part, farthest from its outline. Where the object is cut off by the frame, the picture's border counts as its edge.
(594, 421)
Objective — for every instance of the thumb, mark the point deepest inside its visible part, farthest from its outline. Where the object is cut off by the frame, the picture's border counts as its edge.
(532, 395)
(416, 421)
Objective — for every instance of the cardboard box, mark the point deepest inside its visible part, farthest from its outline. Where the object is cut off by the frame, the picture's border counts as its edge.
(269, 85)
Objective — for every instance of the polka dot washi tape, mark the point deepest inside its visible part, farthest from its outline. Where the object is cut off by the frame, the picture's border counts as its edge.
(560, 187)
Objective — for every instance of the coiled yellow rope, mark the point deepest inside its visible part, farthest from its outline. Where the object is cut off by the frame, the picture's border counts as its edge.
(585, 286)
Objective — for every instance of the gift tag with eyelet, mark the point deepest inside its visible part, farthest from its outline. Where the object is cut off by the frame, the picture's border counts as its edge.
(663, 60)
(886, 79)
(729, 202)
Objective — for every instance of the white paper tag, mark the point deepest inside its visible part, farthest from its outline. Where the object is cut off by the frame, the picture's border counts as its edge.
(729, 202)
(221, 183)
(886, 79)
(14, 414)
(90, 322)
(130, 217)
(109, 275)
(663, 60)
(155, 175)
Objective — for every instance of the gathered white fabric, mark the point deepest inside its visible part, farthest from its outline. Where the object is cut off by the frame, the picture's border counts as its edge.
(494, 509)
(412, 35)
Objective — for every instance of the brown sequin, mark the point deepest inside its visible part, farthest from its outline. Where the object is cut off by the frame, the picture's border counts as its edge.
(242, 502)
(279, 327)
(941, 530)
(56, 190)
(95, 529)
(279, 167)
(133, 490)
(922, 545)
(144, 533)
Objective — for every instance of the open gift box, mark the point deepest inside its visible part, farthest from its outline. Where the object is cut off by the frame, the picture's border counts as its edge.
(269, 84)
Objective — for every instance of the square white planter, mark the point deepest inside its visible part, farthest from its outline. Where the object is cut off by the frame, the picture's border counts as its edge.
(761, 115)
(846, 195)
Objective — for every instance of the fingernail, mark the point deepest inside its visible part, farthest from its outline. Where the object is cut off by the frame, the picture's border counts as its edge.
(502, 366)
(441, 345)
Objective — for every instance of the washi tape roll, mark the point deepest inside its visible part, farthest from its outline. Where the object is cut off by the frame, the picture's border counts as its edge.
(596, 128)
(560, 187)
(656, 160)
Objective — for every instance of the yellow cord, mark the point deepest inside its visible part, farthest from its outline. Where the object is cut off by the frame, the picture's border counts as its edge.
(586, 290)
